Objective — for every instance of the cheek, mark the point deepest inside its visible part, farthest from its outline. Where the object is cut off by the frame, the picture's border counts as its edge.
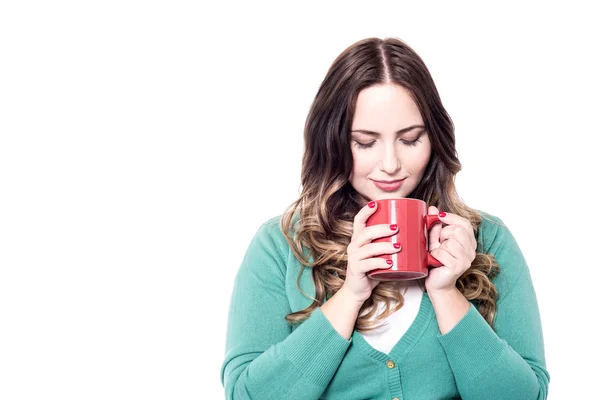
(420, 160)
(362, 165)
(424, 161)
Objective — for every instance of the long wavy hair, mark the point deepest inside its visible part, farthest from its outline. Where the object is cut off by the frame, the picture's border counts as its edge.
(321, 220)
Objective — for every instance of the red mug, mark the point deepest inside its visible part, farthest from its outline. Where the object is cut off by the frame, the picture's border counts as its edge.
(413, 260)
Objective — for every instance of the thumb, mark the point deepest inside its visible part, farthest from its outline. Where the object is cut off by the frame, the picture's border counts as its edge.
(436, 229)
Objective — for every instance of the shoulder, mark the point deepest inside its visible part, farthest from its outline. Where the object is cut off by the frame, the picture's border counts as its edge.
(495, 238)
(495, 235)
(273, 223)
(270, 241)
(491, 226)
(272, 229)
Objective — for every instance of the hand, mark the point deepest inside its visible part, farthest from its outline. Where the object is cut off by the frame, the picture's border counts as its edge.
(454, 245)
(362, 254)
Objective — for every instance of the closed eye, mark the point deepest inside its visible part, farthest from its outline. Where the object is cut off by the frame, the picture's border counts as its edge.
(369, 145)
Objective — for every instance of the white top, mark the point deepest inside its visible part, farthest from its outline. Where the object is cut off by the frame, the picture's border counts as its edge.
(385, 337)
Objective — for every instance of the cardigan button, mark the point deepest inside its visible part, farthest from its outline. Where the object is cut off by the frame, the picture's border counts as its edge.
(395, 398)
(390, 364)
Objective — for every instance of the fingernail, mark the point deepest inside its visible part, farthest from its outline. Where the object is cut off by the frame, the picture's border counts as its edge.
(442, 214)
(397, 245)
(390, 262)
(393, 227)
(372, 204)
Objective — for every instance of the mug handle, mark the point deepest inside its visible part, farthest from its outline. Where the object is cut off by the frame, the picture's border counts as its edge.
(430, 220)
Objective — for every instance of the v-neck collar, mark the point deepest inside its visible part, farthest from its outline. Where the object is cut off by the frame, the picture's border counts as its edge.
(406, 342)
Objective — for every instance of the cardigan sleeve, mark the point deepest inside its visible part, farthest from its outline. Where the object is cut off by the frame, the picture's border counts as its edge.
(264, 357)
(507, 362)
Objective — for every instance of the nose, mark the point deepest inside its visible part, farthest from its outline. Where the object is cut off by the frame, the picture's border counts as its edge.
(390, 163)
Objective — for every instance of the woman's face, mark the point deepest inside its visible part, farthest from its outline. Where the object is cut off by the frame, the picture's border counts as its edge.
(388, 121)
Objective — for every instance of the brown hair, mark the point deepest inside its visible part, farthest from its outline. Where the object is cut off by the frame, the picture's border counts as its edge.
(325, 210)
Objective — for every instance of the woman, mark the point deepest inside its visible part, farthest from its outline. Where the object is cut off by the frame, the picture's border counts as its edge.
(306, 322)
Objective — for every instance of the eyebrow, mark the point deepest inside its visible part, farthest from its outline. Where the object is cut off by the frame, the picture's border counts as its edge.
(400, 132)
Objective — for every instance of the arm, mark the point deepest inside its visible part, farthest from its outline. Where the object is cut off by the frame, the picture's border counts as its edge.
(507, 363)
(265, 358)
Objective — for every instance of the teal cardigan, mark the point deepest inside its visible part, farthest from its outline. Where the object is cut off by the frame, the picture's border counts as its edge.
(267, 358)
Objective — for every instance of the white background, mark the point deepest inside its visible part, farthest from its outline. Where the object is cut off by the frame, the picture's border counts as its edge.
(143, 143)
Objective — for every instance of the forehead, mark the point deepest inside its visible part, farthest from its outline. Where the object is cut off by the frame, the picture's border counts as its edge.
(386, 107)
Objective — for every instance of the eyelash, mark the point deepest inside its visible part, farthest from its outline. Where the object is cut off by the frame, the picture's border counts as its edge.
(369, 145)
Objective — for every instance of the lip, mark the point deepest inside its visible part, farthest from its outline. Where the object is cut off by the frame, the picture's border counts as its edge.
(389, 186)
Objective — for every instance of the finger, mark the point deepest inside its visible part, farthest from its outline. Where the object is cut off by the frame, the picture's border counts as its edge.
(360, 219)
(373, 232)
(444, 257)
(459, 234)
(453, 247)
(435, 230)
(376, 249)
(454, 219)
(371, 264)
(458, 250)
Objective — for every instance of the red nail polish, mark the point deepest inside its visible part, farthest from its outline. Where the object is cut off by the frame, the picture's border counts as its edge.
(442, 214)
(372, 204)
(397, 245)
(393, 227)
(390, 262)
